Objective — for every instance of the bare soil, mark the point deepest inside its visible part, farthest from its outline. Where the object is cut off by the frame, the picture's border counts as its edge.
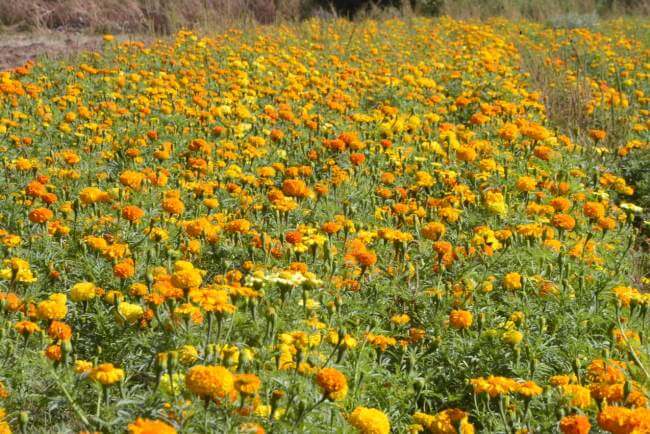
(18, 48)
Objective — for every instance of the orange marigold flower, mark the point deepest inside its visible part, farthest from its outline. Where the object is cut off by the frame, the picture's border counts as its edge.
(247, 384)
(461, 319)
(173, 205)
(433, 230)
(563, 221)
(333, 383)
(210, 382)
(295, 188)
(575, 424)
(53, 352)
(594, 210)
(621, 420)
(124, 269)
(132, 213)
(40, 215)
(26, 328)
(59, 330)
(148, 426)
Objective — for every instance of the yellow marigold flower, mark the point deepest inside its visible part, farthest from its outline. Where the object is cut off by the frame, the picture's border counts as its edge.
(494, 385)
(53, 308)
(129, 312)
(526, 184)
(496, 203)
(369, 421)
(512, 281)
(186, 276)
(210, 382)
(18, 270)
(188, 354)
(83, 291)
(559, 380)
(528, 389)
(445, 422)
(4, 425)
(148, 426)
(106, 374)
(512, 337)
(82, 366)
(400, 319)
(91, 195)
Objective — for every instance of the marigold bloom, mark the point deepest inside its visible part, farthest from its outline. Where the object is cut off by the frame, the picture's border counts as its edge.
(512, 337)
(59, 330)
(124, 269)
(526, 184)
(578, 396)
(148, 426)
(333, 383)
(210, 382)
(91, 195)
(26, 328)
(594, 210)
(369, 421)
(106, 374)
(40, 215)
(53, 352)
(132, 213)
(83, 291)
(129, 312)
(460, 319)
(173, 205)
(433, 230)
(186, 276)
(575, 424)
(512, 281)
(621, 420)
(563, 221)
(295, 188)
(54, 308)
(445, 422)
(528, 389)
(247, 384)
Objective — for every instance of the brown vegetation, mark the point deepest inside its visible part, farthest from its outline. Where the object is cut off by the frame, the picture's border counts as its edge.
(167, 16)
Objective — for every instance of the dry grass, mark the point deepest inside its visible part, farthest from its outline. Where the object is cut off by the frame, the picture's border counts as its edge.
(167, 16)
(157, 16)
(538, 10)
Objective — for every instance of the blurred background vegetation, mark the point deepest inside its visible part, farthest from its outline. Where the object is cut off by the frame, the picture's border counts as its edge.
(167, 16)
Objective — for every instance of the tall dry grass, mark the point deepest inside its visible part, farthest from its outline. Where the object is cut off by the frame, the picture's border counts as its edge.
(538, 10)
(167, 16)
(157, 16)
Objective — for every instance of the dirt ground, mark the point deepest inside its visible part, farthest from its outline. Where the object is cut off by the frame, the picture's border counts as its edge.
(18, 48)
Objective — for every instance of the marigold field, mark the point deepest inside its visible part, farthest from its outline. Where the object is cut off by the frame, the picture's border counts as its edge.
(327, 227)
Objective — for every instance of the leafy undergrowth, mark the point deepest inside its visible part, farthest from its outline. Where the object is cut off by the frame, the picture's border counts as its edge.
(326, 227)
